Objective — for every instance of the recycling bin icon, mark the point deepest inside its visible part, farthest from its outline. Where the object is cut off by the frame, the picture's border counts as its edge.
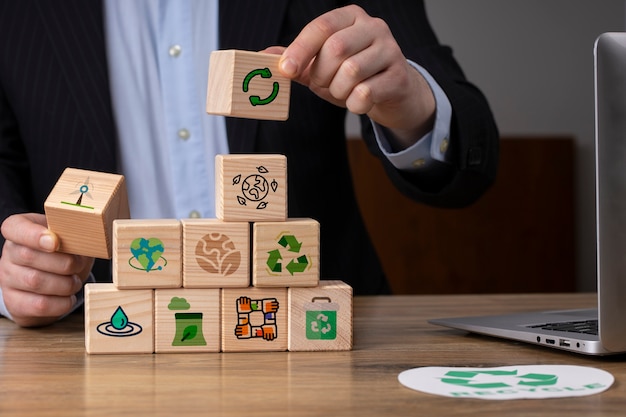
(321, 319)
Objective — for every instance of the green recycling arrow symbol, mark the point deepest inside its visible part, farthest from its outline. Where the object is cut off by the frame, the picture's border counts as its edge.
(464, 378)
(290, 243)
(264, 73)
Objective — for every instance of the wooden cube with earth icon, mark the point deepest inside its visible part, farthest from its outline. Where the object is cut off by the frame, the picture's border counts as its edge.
(254, 319)
(81, 208)
(286, 254)
(320, 318)
(216, 254)
(147, 253)
(118, 321)
(247, 84)
(187, 320)
(251, 187)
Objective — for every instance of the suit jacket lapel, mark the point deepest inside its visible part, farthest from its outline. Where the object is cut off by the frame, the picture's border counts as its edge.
(263, 19)
(78, 29)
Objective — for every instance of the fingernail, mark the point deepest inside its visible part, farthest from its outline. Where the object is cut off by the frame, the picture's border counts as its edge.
(46, 241)
(289, 67)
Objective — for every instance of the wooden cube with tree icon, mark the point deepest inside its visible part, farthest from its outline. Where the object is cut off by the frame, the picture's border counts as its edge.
(251, 187)
(81, 209)
(216, 254)
(320, 318)
(286, 254)
(247, 84)
(147, 253)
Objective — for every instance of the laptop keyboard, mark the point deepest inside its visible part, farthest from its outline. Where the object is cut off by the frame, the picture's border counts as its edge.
(582, 326)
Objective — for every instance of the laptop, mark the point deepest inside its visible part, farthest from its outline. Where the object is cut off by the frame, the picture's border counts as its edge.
(600, 331)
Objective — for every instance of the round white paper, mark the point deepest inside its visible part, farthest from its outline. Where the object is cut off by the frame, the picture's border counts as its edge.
(508, 382)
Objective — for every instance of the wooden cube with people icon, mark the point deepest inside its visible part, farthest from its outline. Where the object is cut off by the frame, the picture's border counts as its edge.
(251, 187)
(247, 84)
(81, 209)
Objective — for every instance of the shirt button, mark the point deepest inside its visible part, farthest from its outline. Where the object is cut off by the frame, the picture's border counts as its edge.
(418, 163)
(175, 51)
(194, 214)
(443, 147)
(184, 134)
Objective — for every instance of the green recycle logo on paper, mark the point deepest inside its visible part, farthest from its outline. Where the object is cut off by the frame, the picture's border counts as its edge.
(497, 379)
(296, 264)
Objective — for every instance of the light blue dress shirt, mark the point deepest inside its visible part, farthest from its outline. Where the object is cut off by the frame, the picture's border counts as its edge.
(158, 54)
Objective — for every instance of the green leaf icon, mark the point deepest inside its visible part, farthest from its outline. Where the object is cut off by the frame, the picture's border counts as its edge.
(189, 332)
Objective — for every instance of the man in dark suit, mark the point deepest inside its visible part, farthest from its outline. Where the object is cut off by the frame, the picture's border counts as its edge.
(56, 111)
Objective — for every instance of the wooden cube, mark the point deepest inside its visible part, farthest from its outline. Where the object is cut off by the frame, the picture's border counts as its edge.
(187, 320)
(81, 208)
(147, 253)
(247, 84)
(251, 187)
(320, 318)
(254, 319)
(286, 254)
(118, 321)
(216, 254)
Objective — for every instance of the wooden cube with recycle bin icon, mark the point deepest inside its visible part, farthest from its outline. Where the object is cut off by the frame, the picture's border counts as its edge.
(320, 318)
(286, 254)
(81, 208)
(251, 187)
(216, 254)
(147, 253)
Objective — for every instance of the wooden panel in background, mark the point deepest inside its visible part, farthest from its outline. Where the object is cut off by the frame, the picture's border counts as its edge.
(519, 237)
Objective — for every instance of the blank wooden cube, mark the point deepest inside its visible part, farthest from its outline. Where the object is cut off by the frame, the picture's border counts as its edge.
(254, 319)
(81, 208)
(216, 254)
(187, 320)
(320, 318)
(247, 84)
(147, 253)
(251, 187)
(118, 321)
(286, 254)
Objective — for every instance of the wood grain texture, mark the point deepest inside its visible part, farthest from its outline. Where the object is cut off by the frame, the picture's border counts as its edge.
(81, 208)
(46, 371)
(251, 187)
(286, 254)
(216, 254)
(135, 265)
(232, 84)
(187, 320)
(320, 318)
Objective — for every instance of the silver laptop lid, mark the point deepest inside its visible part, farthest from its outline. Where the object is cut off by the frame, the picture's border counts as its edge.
(610, 105)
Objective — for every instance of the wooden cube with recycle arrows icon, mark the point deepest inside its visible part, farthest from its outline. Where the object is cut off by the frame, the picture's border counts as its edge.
(286, 254)
(247, 84)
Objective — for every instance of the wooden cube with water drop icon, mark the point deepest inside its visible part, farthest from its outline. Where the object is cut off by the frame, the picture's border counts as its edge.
(147, 253)
(118, 321)
(251, 187)
(81, 209)
(216, 254)
(247, 84)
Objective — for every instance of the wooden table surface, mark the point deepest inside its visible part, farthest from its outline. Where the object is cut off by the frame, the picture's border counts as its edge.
(47, 372)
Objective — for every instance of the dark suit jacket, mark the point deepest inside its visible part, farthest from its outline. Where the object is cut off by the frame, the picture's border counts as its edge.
(55, 111)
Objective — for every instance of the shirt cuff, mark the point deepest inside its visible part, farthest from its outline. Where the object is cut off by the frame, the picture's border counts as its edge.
(432, 147)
